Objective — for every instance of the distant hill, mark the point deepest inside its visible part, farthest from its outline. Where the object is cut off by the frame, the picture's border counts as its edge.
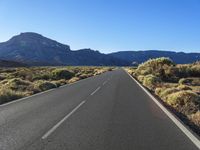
(141, 56)
(35, 49)
(6, 63)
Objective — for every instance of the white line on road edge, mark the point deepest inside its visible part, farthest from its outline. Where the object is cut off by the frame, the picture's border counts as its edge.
(95, 91)
(61, 121)
(192, 137)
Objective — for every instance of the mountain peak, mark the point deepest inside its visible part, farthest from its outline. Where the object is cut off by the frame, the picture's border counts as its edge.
(25, 36)
(32, 34)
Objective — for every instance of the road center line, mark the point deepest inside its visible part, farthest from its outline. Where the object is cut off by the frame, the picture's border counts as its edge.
(61, 121)
(95, 91)
(105, 82)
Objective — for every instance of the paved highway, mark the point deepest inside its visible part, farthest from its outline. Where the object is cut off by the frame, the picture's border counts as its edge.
(105, 112)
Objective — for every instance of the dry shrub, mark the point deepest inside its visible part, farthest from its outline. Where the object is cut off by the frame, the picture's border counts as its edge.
(42, 85)
(165, 92)
(186, 102)
(59, 83)
(183, 87)
(155, 67)
(74, 79)
(140, 78)
(151, 81)
(195, 118)
(62, 74)
(18, 84)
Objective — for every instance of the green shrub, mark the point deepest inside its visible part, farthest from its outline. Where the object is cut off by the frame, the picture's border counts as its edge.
(62, 74)
(186, 102)
(44, 85)
(151, 81)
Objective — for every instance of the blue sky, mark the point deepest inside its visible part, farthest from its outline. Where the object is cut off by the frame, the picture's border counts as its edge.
(107, 25)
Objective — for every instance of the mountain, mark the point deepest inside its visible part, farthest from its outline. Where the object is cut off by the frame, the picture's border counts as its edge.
(141, 56)
(35, 49)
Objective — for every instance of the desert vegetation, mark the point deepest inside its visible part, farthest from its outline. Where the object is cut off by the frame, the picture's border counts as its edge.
(176, 85)
(21, 82)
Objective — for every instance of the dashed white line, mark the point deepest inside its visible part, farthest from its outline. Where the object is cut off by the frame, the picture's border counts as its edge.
(105, 82)
(95, 91)
(61, 121)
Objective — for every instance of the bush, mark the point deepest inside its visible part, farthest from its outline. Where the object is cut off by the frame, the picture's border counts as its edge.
(155, 67)
(195, 118)
(83, 76)
(186, 102)
(59, 83)
(7, 95)
(195, 70)
(74, 79)
(41, 77)
(140, 78)
(159, 90)
(190, 81)
(183, 87)
(44, 85)
(166, 92)
(62, 74)
(17, 84)
(185, 81)
(151, 81)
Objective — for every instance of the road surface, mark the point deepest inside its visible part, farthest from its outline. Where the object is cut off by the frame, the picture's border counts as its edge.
(105, 112)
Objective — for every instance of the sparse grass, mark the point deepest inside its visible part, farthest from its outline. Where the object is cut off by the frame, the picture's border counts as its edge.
(20, 82)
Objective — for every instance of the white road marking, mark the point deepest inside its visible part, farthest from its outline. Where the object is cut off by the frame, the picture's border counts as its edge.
(95, 91)
(61, 121)
(105, 82)
(179, 124)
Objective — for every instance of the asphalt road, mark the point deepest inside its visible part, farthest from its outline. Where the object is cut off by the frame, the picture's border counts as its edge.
(105, 112)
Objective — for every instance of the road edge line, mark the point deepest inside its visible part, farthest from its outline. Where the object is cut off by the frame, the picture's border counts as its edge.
(177, 122)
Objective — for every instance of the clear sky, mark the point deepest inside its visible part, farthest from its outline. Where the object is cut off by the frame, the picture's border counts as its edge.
(107, 25)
